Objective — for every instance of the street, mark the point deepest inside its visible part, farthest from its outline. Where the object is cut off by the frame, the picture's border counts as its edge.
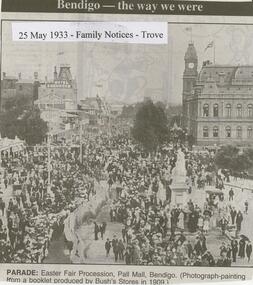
(95, 253)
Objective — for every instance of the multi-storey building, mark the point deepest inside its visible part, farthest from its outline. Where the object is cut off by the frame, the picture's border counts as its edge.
(16, 87)
(217, 101)
(60, 93)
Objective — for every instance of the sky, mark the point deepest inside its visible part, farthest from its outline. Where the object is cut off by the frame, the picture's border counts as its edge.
(128, 72)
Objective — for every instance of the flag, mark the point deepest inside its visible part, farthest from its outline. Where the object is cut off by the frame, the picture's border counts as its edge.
(210, 45)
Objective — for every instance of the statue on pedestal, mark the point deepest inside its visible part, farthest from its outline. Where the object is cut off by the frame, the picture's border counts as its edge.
(179, 172)
(179, 186)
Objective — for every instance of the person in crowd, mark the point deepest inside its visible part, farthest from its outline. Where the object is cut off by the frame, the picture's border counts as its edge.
(115, 248)
(233, 214)
(231, 194)
(223, 261)
(234, 247)
(238, 221)
(96, 231)
(107, 247)
(2, 206)
(246, 207)
(121, 249)
(223, 225)
(248, 250)
(242, 244)
(102, 229)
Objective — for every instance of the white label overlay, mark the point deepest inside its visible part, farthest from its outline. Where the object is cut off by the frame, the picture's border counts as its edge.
(111, 32)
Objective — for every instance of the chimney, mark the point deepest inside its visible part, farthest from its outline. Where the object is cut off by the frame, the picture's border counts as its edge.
(221, 77)
(4, 75)
(55, 74)
(46, 79)
(19, 76)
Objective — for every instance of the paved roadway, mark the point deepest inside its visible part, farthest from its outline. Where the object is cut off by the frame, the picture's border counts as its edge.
(95, 251)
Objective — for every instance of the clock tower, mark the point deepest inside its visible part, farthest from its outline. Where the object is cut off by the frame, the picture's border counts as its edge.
(190, 70)
(189, 77)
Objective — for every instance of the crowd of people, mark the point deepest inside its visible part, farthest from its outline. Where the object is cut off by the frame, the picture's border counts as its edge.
(34, 214)
(154, 229)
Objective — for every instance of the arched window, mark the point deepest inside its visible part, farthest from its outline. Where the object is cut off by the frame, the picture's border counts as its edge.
(250, 110)
(215, 110)
(228, 110)
(228, 132)
(239, 110)
(205, 132)
(215, 132)
(249, 132)
(239, 132)
(205, 110)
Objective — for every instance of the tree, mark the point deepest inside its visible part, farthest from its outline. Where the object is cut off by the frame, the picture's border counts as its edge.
(150, 126)
(23, 121)
(191, 140)
(31, 127)
(226, 156)
(230, 157)
(128, 112)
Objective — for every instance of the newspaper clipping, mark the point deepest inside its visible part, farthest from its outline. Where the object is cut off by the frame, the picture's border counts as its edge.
(126, 142)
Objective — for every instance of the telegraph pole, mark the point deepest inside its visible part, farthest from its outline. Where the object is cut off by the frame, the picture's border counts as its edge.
(49, 149)
(81, 145)
(49, 162)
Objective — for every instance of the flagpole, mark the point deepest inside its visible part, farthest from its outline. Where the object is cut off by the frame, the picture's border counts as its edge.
(213, 52)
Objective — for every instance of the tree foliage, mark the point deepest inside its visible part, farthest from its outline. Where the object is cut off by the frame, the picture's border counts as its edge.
(226, 156)
(150, 125)
(20, 120)
(230, 157)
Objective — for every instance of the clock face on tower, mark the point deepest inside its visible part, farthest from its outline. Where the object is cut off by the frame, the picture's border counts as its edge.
(191, 65)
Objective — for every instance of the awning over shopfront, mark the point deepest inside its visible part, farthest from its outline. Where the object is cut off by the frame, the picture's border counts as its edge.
(13, 145)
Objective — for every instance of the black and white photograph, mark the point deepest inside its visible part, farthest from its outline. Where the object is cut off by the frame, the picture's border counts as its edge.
(127, 153)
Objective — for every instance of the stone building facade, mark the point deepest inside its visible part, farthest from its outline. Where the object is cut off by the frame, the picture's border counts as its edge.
(217, 102)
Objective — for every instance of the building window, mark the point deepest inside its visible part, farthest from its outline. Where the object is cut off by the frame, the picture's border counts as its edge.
(239, 132)
(249, 132)
(228, 132)
(205, 110)
(215, 110)
(239, 110)
(250, 110)
(20, 87)
(215, 132)
(228, 110)
(205, 132)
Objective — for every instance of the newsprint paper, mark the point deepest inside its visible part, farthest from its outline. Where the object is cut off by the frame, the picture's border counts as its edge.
(126, 141)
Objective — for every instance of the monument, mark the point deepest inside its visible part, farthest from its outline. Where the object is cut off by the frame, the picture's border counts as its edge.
(178, 186)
